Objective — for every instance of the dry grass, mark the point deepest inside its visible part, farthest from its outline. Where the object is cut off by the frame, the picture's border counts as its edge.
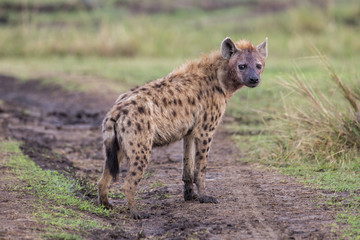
(321, 129)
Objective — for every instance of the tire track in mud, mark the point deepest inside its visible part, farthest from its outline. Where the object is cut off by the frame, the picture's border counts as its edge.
(61, 131)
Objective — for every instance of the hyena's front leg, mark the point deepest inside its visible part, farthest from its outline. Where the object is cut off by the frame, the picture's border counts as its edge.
(202, 145)
(188, 168)
(104, 183)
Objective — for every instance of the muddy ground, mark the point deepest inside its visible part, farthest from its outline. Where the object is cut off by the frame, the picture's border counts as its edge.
(61, 131)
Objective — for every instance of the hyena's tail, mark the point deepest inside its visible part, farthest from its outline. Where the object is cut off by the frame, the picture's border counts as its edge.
(111, 146)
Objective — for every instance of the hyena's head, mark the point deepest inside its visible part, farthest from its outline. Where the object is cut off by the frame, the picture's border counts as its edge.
(246, 62)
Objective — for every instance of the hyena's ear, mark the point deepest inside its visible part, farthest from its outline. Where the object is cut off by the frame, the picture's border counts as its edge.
(263, 49)
(227, 48)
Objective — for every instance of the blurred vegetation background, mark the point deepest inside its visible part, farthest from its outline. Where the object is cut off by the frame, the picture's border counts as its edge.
(162, 28)
(302, 120)
(132, 42)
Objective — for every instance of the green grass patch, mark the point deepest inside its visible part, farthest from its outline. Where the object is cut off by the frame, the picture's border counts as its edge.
(158, 184)
(58, 204)
(59, 235)
(349, 217)
(60, 217)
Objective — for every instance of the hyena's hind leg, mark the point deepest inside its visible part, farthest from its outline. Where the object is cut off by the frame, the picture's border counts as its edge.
(104, 183)
(138, 162)
(188, 168)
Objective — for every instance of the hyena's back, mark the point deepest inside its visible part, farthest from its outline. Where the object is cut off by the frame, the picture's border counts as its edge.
(162, 112)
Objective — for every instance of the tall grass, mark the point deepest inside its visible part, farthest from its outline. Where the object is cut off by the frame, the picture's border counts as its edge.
(322, 129)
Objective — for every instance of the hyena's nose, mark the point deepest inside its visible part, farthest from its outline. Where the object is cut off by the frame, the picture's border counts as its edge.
(254, 80)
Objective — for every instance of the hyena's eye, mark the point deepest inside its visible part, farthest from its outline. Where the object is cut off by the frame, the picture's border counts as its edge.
(258, 66)
(242, 66)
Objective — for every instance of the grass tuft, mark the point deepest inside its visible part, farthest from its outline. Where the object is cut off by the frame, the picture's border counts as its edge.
(321, 130)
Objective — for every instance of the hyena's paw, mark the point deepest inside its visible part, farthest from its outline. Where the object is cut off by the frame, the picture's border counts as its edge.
(105, 203)
(139, 215)
(190, 195)
(207, 199)
(108, 206)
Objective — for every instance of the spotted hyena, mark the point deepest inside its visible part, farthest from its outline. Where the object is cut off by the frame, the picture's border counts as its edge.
(186, 104)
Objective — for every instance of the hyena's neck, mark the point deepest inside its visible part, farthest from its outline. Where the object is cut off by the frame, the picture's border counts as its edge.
(215, 67)
(209, 69)
(206, 65)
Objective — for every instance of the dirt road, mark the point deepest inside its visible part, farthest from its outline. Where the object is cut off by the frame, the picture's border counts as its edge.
(254, 203)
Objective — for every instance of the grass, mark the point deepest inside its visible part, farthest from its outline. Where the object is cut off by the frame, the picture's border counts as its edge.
(322, 131)
(57, 204)
(158, 184)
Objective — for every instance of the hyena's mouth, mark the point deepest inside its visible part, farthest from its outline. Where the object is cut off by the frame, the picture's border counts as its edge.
(251, 83)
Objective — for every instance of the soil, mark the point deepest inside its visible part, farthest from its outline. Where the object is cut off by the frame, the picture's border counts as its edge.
(61, 131)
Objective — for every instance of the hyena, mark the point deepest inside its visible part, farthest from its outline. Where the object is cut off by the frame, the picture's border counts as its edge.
(186, 104)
